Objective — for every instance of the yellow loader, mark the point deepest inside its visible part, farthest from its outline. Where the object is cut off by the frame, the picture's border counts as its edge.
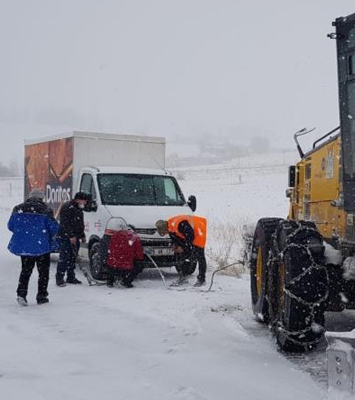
(304, 265)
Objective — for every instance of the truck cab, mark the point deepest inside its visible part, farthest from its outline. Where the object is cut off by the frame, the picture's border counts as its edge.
(140, 197)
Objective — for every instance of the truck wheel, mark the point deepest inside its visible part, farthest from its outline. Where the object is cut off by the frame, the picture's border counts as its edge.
(259, 259)
(298, 289)
(190, 269)
(96, 269)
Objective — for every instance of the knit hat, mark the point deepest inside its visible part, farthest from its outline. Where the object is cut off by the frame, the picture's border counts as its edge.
(162, 227)
(37, 193)
(81, 196)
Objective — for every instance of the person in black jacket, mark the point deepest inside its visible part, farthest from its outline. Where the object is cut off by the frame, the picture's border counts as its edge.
(71, 233)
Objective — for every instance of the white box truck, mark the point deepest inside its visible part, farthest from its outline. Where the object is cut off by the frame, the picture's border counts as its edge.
(126, 178)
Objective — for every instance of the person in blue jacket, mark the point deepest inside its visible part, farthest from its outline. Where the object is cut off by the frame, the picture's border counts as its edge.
(34, 228)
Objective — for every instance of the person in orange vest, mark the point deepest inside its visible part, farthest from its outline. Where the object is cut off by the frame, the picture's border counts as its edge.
(188, 234)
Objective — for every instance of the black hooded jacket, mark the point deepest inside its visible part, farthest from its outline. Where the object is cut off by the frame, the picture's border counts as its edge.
(71, 221)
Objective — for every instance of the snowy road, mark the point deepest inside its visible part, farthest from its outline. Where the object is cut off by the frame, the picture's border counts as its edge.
(144, 343)
(148, 342)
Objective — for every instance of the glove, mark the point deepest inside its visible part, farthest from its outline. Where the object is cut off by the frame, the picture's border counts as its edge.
(178, 249)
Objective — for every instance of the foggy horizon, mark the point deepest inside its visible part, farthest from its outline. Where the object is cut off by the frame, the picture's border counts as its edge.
(184, 70)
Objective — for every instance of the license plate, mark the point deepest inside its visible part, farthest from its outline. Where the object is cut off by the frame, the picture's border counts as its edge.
(161, 251)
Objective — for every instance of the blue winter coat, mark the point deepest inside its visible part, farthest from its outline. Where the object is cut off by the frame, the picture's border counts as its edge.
(34, 228)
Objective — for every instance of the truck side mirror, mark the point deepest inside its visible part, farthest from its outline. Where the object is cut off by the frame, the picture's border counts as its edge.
(91, 205)
(192, 203)
(291, 176)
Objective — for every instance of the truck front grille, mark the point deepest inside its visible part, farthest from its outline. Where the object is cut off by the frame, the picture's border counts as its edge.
(145, 231)
(155, 243)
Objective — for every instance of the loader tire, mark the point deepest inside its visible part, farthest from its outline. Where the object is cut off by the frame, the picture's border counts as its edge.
(96, 267)
(259, 258)
(297, 291)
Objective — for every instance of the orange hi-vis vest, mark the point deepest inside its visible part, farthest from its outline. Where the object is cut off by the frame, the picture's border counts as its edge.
(199, 225)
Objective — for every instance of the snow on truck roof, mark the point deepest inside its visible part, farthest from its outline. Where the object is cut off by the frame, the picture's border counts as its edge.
(98, 135)
(126, 170)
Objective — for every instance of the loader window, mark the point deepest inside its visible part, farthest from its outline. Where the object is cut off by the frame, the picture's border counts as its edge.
(135, 189)
(350, 166)
(352, 65)
(345, 29)
(351, 38)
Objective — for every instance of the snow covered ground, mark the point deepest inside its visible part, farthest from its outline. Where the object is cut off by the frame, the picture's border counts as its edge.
(151, 343)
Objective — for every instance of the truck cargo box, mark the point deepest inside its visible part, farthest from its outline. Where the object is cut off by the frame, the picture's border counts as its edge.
(53, 163)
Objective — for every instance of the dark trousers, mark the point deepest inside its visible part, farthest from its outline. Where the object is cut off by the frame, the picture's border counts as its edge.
(28, 263)
(127, 275)
(198, 254)
(67, 258)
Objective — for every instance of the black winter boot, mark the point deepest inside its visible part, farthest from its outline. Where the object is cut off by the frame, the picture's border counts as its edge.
(22, 301)
(74, 281)
(200, 281)
(42, 300)
(126, 283)
(59, 279)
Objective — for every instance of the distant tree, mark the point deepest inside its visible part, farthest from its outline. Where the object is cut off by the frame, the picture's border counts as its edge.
(4, 170)
(172, 160)
(206, 142)
(12, 169)
(260, 144)
(15, 168)
(235, 151)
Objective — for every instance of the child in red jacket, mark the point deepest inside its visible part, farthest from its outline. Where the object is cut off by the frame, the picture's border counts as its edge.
(124, 250)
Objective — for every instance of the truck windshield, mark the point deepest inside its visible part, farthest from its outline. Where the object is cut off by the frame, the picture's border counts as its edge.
(135, 189)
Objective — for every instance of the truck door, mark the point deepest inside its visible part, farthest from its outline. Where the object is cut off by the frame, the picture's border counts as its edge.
(345, 36)
(92, 219)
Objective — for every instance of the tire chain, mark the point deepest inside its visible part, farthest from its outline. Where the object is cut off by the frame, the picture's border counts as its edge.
(275, 255)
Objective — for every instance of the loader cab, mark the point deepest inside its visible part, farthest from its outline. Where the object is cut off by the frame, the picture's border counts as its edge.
(345, 37)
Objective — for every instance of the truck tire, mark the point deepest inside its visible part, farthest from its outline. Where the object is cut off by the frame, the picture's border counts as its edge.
(190, 269)
(260, 251)
(96, 268)
(298, 286)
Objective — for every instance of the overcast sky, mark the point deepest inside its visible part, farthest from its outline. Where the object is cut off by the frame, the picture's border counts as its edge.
(174, 68)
